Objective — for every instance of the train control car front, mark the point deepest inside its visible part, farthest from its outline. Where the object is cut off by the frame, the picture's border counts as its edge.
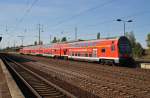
(125, 51)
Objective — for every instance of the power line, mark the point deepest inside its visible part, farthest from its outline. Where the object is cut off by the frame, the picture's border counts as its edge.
(28, 10)
(129, 16)
(26, 13)
(85, 11)
(108, 21)
(137, 14)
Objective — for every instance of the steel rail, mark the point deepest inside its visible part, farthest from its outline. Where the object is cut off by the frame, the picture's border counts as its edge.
(36, 75)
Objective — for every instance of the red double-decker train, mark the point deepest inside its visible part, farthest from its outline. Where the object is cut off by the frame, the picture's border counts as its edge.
(110, 50)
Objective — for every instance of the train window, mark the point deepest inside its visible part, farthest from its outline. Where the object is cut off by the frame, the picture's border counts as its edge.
(86, 55)
(113, 48)
(65, 51)
(103, 50)
(72, 54)
(82, 54)
(90, 55)
(78, 54)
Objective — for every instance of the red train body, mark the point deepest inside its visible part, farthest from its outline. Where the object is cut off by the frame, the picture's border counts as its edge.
(115, 50)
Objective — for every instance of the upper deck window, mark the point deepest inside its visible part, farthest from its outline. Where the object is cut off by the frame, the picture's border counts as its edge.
(78, 54)
(103, 50)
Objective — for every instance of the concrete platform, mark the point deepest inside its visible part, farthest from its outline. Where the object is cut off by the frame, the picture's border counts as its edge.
(8, 87)
(145, 65)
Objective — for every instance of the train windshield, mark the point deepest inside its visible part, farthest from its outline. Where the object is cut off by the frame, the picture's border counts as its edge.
(125, 49)
(124, 46)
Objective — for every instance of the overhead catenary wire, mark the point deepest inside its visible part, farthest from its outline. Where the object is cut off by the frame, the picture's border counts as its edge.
(134, 15)
(26, 12)
(82, 12)
(112, 20)
(77, 15)
(99, 23)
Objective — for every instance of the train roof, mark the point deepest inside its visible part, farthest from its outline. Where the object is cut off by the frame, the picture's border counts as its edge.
(101, 39)
(73, 42)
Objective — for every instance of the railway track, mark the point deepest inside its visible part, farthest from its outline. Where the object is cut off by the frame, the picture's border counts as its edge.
(131, 73)
(101, 86)
(142, 60)
(102, 81)
(38, 86)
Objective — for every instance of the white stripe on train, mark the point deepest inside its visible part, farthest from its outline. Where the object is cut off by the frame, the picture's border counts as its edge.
(116, 60)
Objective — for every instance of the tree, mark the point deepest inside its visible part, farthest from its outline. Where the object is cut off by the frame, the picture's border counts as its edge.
(54, 40)
(148, 40)
(131, 37)
(98, 35)
(138, 50)
(63, 39)
(136, 46)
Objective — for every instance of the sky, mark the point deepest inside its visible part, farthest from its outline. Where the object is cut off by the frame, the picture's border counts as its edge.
(60, 18)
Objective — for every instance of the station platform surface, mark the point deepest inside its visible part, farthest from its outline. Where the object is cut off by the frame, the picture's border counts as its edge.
(8, 87)
(145, 65)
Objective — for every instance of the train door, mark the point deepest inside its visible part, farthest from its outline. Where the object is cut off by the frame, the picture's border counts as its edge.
(94, 54)
(112, 50)
(65, 51)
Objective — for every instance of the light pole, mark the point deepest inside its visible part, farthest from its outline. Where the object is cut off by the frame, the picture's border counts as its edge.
(124, 24)
(40, 29)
